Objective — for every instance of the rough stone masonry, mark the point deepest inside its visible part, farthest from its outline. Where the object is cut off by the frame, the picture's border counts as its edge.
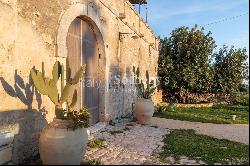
(32, 32)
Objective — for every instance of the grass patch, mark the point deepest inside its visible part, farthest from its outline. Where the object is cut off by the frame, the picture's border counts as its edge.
(111, 123)
(92, 162)
(115, 132)
(98, 143)
(129, 124)
(210, 150)
(126, 129)
(220, 114)
(154, 156)
(154, 126)
(133, 119)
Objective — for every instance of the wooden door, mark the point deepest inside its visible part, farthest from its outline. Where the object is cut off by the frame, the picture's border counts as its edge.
(90, 91)
(74, 53)
(83, 49)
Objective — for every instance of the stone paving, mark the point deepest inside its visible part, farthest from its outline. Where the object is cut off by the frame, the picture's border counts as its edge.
(128, 143)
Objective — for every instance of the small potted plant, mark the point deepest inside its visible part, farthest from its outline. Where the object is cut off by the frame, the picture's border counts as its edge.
(171, 107)
(64, 140)
(144, 107)
(160, 109)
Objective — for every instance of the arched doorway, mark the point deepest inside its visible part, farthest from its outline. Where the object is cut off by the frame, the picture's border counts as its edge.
(85, 46)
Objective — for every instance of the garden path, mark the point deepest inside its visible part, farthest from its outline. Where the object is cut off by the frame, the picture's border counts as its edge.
(233, 132)
(128, 143)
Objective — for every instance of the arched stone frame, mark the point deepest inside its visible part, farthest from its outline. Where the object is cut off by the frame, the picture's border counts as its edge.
(88, 12)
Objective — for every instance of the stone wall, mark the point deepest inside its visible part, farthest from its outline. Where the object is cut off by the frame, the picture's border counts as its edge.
(30, 34)
(157, 97)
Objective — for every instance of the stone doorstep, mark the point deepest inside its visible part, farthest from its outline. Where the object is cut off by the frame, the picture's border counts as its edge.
(95, 128)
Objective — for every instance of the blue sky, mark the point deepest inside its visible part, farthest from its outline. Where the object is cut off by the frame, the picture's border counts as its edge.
(166, 15)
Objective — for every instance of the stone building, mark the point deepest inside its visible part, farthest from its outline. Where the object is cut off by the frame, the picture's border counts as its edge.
(109, 36)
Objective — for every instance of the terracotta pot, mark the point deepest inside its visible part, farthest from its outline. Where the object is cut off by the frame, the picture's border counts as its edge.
(144, 110)
(61, 146)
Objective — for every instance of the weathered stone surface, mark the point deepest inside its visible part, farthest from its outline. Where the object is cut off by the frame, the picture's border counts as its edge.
(128, 146)
(26, 126)
(30, 33)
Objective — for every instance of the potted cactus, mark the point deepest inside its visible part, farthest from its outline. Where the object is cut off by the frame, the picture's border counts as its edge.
(144, 107)
(64, 140)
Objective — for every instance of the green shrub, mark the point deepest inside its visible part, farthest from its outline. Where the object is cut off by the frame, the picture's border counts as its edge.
(241, 99)
(171, 107)
(160, 109)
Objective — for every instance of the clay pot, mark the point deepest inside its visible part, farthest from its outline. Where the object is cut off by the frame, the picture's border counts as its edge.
(61, 146)
(144, 110)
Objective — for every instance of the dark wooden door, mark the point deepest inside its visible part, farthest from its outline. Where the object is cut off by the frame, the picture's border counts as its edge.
(83, 49)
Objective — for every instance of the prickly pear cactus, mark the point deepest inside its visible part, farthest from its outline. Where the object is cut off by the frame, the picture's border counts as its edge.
(141, 90)
(47, 86)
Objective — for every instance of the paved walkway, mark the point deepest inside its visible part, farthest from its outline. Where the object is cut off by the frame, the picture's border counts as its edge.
(238, 133)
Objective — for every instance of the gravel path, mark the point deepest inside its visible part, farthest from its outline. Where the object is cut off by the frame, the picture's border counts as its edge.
(238, 133)
(128, 143)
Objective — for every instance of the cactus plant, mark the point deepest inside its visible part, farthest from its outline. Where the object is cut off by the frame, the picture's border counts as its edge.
(143, 92)
(48, 86)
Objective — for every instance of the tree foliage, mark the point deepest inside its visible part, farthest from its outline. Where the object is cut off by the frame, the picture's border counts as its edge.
(188, 64)
(230, 69)
(184, 61)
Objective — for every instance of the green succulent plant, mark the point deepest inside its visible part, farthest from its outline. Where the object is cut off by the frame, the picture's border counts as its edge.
(80, 118)
(48, 86)
(142, 91)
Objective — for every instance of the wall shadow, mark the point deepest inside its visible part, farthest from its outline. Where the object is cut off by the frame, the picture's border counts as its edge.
(23, 91)
(25, 124)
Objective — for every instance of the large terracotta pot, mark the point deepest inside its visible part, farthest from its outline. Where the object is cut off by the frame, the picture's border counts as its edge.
(61, 146)
(144, 110)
